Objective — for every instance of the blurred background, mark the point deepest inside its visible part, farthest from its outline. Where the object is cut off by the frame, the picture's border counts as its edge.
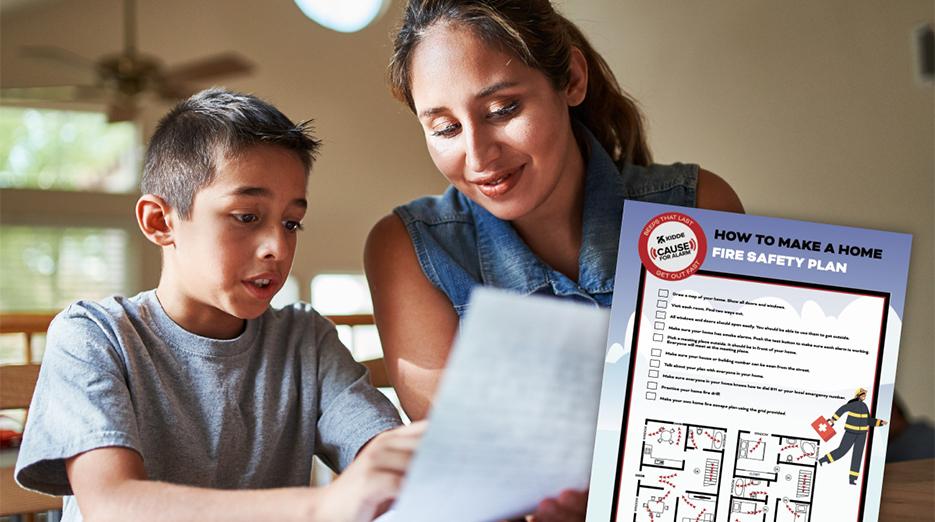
(818, 111)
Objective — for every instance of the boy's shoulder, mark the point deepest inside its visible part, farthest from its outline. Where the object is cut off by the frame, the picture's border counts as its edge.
(107, 315)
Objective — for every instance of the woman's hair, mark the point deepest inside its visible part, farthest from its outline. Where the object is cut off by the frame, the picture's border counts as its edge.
(543, 39)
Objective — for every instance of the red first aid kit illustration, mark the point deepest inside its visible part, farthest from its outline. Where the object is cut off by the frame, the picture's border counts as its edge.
(824, 429)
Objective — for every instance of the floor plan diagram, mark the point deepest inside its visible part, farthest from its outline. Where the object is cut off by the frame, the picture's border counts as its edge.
(680, 472)
(773, 478)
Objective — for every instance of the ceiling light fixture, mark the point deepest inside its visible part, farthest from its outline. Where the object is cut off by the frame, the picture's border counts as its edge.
(345, 16)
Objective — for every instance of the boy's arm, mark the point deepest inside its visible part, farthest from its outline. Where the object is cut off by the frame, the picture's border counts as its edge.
(110, 484)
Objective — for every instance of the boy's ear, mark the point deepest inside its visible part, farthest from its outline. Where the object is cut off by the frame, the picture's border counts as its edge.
(153, 217)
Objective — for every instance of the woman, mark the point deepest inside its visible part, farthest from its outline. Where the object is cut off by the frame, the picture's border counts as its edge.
(541, 147)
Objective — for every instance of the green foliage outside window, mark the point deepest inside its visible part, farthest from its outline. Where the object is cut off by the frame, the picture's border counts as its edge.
(46, 268)
(66, 150)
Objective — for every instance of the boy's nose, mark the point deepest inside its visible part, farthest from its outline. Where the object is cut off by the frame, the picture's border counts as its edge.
(275, 245)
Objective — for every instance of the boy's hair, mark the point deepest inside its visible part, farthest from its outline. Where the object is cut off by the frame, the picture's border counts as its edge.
(203, 130)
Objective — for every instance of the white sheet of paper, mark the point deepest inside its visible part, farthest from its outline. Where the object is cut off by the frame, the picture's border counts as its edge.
(514, 419)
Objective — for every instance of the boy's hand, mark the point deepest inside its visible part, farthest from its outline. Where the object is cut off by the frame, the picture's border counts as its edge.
(370, 484)
(570, 506)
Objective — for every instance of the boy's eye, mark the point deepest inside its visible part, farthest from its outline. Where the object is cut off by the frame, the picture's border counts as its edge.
(504, 111)
(292, 226)
(246, 218)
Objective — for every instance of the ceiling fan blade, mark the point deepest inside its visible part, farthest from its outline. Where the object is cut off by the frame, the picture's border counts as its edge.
(55, 93)
(176, 91)
(219, 65)
(121, 110)
(56, 54)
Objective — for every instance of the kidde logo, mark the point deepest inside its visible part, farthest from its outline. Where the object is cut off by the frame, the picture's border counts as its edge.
(672, 246)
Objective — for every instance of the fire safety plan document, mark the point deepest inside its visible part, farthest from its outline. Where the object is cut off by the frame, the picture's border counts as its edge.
(749, 370)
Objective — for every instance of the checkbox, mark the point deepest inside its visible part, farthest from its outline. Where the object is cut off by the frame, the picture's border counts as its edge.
(652, 385)
(657, 338)
(662, 303)
(656, 352)
(663, 292)
(654, 363)
(659, 325)
(651, 396)
(660, 314)
(653, 374)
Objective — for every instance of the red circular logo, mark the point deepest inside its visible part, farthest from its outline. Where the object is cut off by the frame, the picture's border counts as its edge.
(672, 246)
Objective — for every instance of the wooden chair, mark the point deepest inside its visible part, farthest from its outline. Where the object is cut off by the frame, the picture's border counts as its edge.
(28, 325)
(17, 383)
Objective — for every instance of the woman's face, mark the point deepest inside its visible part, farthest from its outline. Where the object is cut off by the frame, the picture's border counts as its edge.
(497, 129)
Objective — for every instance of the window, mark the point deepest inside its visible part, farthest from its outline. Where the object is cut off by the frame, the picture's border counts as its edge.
(55, 266)
(67, 230)
(66, 150)
(344, 294)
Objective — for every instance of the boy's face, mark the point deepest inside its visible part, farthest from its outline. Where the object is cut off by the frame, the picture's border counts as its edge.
(235, 251)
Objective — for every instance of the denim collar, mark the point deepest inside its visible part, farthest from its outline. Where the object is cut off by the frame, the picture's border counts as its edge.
(506, 261)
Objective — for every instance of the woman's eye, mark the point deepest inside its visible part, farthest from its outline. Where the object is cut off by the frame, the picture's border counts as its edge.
(292, 226)
(447, 130)
(504, 111)
(246, 218)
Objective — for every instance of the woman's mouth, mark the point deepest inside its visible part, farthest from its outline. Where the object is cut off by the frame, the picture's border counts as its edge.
(500, 185)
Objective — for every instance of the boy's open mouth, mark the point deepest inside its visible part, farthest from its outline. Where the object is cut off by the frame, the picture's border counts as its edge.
(263, 286)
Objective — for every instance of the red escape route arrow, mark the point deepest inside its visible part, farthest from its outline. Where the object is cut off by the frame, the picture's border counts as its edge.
(665, 480)
(757, 445)
(796, 515)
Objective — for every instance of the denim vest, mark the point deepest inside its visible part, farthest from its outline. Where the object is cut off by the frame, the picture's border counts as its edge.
(461, 245)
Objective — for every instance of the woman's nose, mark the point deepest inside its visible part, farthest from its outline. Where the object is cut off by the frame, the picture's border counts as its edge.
(481, 148)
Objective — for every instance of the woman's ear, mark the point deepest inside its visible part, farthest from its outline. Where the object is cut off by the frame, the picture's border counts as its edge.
(153, 217)
(577, 78)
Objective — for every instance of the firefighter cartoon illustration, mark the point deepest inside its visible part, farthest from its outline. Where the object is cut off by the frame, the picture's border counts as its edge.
(856, 426)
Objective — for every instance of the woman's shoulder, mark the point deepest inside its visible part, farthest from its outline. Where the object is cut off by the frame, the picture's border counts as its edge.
(639, 180)
(700, 187)
(716, 194)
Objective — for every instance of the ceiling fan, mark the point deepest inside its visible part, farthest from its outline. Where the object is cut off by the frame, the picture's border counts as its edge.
(121, 79)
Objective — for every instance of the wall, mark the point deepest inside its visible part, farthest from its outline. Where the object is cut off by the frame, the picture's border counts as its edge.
(811, 110)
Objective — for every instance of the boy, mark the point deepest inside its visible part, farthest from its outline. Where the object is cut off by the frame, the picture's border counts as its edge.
(170, 404)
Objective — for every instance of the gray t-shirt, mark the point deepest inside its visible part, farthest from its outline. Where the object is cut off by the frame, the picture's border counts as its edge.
(242, 413)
